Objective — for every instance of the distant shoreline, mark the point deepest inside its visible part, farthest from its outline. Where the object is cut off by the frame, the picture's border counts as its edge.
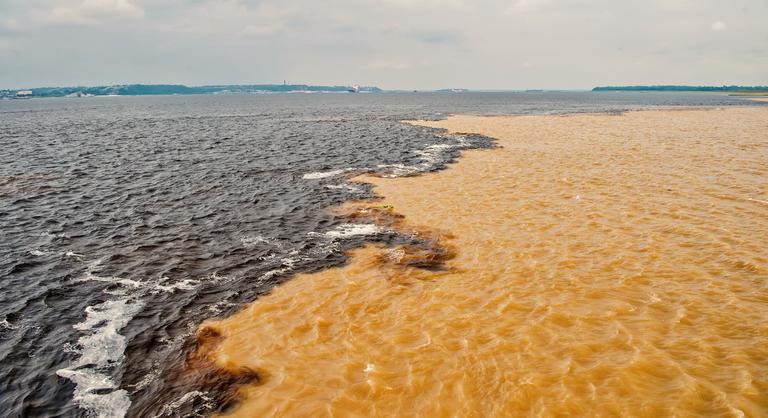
(739, 90)
(235, 89)
(177, 89)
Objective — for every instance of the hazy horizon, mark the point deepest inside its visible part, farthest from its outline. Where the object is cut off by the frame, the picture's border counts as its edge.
(475, 90)
(391, 44)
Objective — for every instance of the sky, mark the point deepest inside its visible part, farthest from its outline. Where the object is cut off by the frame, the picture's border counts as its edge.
(393, 44)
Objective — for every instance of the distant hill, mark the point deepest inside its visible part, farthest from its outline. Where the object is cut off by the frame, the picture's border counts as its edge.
(163, 89)
(684, 88)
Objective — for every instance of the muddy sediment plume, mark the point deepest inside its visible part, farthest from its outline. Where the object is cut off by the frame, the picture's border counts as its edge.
(599, 265)
(420, 248)
(207, 387)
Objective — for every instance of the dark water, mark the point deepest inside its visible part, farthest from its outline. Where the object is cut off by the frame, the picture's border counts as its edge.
(125, 222)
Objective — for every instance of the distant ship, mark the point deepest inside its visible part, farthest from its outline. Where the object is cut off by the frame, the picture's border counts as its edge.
(354, 89)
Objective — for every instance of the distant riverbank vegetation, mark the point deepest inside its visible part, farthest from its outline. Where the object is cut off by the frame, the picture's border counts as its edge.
(164, 89)
(757, 90)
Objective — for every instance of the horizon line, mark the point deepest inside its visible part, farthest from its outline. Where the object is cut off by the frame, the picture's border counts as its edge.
(482, 89)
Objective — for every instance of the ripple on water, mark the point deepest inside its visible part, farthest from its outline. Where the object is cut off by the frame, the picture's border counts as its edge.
(625, 302)
(172, 194)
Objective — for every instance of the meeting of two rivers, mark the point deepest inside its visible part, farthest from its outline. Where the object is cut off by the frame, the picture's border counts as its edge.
(313, 255)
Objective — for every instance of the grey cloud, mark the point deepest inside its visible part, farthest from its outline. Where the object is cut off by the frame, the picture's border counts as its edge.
(390, 43)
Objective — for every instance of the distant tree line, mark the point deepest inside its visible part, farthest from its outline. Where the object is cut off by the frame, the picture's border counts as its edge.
(164, 89)
(683, 88)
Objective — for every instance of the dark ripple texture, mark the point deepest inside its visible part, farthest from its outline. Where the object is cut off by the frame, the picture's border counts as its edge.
(127, 221)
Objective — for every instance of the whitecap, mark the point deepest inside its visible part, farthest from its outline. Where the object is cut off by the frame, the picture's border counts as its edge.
(324, 174)
(49, 235)
(113, 404)
(348, 187)
(398, 170)
(7, 325)
(104, 345)
(251, 241)
(429, 158)
(89, 276)
(101, 349)
(186, 284)
(352, 230)
(152, 287)
(147, 379)
(170, 409)
(219, 307)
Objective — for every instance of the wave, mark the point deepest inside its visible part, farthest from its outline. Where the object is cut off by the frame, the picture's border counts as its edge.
(353, 188)
(430, 158)
(325, 174)
(101, 349)
(349, 230)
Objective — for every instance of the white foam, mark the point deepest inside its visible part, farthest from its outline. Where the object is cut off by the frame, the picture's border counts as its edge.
(186, 284)
(89, 276)
(324, 174)
(219, 307)
(352, 230)
(103, 405)
(101, 349)
(348, 187)
(429, 157)
(272, 273)
(437, 148)
(7, 325)
(216, 279)
(397, 170)
(147, 379)
(461, 141)
(288, 264)
(105, 345)
(170, 409)
(70, 254)
(70, 348)
(47, 234)
(432, 154)
(152, 287)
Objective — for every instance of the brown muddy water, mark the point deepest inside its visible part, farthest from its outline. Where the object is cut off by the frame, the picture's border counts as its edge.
(598, 265)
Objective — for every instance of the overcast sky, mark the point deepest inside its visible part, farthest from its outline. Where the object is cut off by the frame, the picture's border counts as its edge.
(409, 44)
